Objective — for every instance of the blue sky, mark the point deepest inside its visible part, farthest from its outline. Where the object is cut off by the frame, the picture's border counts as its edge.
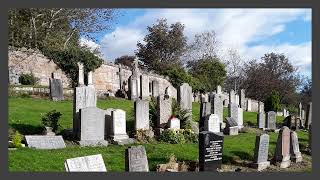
(252, 32)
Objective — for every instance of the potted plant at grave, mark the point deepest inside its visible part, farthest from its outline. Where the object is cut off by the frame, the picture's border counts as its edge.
(16, 141)
(50, 122)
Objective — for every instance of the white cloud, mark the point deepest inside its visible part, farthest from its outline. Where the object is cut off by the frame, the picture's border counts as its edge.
(89, 43)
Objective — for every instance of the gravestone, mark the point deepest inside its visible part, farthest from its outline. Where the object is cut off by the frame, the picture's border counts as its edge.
(205, 110)
(155, 89)
(234, 111)
(303, 113)
(118, 131)
(282, 153)
(141, 114)
(217, 106)
(261, 118)
(45, 142)
(92, 127)
(134, 87)
(136, 159)
(93, 163)
(210, 151)
(260, 107)
(271, 120)
(225, 103)
(242, 99)
(185, 96)
(309, 115)
(219, 91)
(174, 123)
(249, 109)
(237, 100)
(261, 152)
(232, 96)
(90, 79)
(56, 89)
(294, 148)
(164, 104)
(108, 123)
(80, 75)
(240, 118)
(231, 126)
(144, 79)
(212, 123)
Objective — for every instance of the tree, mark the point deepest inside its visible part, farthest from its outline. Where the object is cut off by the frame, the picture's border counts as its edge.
(234, 70)
(163, 46)
(209, 71)
(274, 72)
(272, 103)
(306, 92)
(125, 60)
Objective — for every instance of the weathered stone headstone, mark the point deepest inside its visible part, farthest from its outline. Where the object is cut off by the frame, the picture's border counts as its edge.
(242, 99)
(261, 118)
(155, 89)
(212, 123)
(234, 111)
(174, 123)
(56, 89)
(294, 148)
(217, 106)
(309, 115)
(141, 114)
(240, 118)
(231, 126)
(134, 87)
(249, 105)
(261, 152)
(271, 120)
(237, 100)
(185, 96)
(118, 130)
(210, 151)
(282, 153)
(144, 79)
(260, 107)
(164, 109)
(45, 142)
(136, 159)
(92, 127)
(93, 163)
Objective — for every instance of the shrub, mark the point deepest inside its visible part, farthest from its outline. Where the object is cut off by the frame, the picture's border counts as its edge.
(272, 102)
(144, 135)
(51, 119)
(16, 140)
(190, 136)
(153, 112)
(172, 137)
(28, 79)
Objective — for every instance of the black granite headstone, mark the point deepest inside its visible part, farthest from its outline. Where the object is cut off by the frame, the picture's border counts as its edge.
(56, 89)
(210, 150)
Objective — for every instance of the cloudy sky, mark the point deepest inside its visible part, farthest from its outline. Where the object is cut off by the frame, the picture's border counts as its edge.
(253, 32)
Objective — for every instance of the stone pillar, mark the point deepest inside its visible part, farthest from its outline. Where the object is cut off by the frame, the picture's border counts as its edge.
(90, 80)
(80, 74)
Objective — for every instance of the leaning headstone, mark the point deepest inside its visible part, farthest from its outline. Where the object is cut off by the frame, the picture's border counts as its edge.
(185, 96)
(231, 127)
(309, 115)
(212, 123)
(249, 105)
(217, 106)
(261, 152)
(271, 120)
(294, 148)
(92, 127)
(45, 142)
(93, 163)
(164, 104)
(261, 118)
(136, 159)
(174, 123)
(144, 82)
(118, 130)
(56, 89)
(242, 99)
(141, 114)
(282, 153)
(210, 151)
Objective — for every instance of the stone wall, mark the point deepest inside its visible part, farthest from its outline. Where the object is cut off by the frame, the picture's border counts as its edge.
(105, 78)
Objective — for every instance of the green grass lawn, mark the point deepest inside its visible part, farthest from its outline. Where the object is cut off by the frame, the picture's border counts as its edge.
(25, 116)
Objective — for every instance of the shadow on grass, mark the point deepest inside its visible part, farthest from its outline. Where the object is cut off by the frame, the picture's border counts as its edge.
(239, 158)
(27, 129)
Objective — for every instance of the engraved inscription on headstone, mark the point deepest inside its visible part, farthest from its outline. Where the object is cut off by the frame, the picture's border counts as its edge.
(261, 152)
(45, 142)
(212, 123)
(93, 163)
(136, 159)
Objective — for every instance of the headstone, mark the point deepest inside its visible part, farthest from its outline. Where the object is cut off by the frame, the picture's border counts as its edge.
(219, 91)
(212, 123)
(237, 100)
(174, 123)
(282, 153)
(240, 118)
(56, 89)
(232, 96)
(80, 75)
(234, 112)
(136, 159)
(93, 163)
(261, 152)
(144, 86)
(163, 110)
(260, 107)
(261, 118)
(271, 120)
(185, 96)
(294, 148)
(210, 151)
(242, 99)
(45, 142)
(217, 106)
(205, 110)
(303, 115)
(134, 87)
(108, 123)
(231, 127)
(118, 130)
(225, 103)
(155, 89)
(249, 105)
(309, 115)
(90, 79)
(92, 127)
(284, 113)
(83, 97)
(141, 114)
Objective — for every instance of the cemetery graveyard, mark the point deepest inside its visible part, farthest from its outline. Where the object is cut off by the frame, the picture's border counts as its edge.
(145, 132)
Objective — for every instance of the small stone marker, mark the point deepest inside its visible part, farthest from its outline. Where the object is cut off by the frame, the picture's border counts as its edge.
(271, 120)
(261, 118)
(164, 104)
(261, 152)
(210, 151)
(45, 142)
(136, 159)
(174, 123)
(56, 89)
(212, 123)
(282, 153)
(141, 114)
(231, 126)
(93, 163)
(294, 147)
